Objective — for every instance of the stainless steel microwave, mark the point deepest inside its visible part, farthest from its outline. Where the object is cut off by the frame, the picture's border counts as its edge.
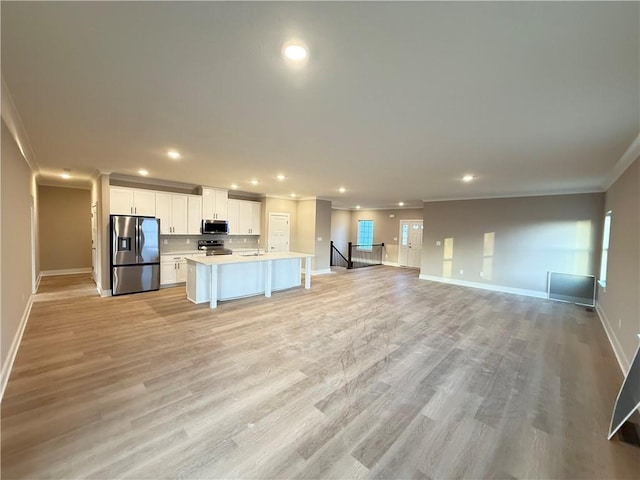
(216, 227)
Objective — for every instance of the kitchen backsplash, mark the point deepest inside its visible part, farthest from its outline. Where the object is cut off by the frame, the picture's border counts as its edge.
(181, 243)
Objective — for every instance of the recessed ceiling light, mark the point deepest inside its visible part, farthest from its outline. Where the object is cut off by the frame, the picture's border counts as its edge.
(358, 207)
(295, 52)
(234, 186)
(254, 182)
(342, 189)
(143, 172)
(281, 177)
(173, 154)
(293, 195)
(65, 175)
(467, 178)
(401, 204)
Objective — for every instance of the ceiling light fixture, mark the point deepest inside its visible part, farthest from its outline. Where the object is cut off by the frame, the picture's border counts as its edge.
(281, 177)
(254, 182)
(295, 52)
(342, 189)
(467, 178)
(173, 154)
(293, 195)
(358, 207)
(234, 186)
(143, 172)
(401, 204)
(65, 175)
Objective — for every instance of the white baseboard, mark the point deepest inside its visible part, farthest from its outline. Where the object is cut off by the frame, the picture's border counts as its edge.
(67, 271)
(13, 349)
(623, 362)
(324, 271)
(486, 286)
(391, 264)
(38, 281)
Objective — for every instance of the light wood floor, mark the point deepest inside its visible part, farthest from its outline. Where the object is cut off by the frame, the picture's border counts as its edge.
(372, 373)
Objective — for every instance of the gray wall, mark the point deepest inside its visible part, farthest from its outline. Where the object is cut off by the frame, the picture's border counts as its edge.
(322, 235)
(619, 302)
(17, 188)
(341, 229)
(65, 228)
(532, 235)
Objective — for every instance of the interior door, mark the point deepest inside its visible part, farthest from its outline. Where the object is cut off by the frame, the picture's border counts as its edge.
(279, 232)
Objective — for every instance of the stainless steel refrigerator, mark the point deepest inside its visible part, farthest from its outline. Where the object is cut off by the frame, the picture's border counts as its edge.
(135, 254)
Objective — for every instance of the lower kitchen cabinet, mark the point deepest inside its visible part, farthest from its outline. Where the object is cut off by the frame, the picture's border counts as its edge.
(173, 269)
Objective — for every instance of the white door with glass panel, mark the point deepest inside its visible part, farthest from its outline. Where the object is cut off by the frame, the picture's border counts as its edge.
(410, 245)
(278, 232)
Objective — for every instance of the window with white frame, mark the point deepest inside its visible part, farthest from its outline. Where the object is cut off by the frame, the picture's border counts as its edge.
(605, 248)
(365, 234)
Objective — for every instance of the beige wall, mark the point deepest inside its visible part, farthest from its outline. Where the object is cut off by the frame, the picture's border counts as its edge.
(341, 229)
(385, 227)
(532, 236)
(306, 227)
(619, 302)
(65, 228)
(16, 199)
(322, 235)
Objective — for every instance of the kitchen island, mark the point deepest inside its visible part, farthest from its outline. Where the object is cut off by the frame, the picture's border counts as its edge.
(225, 277)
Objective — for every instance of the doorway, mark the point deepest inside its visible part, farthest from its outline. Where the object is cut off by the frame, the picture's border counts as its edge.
(410, 245)
(279, 232)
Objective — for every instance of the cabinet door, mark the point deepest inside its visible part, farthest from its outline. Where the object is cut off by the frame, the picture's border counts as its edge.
(179, 209)
(144, 203)
(233, 211)
(256, 217)
(244, 220)
(181, 273)
(167, 272)
(208, 204)
(163, 212)
(195, 215)
(121, 201)
(221, 205)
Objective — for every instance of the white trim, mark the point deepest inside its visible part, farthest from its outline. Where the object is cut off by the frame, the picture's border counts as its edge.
(324, 271)
(12, 119)
(552, 193)
(391, 264)
(103, 293)
(486, 286)
(628, 157)
(38, 281)
(13, 349)
(623, 362)
(66, 271)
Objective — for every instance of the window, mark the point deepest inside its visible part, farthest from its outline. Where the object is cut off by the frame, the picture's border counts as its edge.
(405, 234)
(605, 249)
(365, 234)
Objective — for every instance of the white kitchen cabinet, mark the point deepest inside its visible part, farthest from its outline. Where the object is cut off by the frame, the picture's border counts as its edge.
(132, 201)
(194, 214)
(173, 269)
(214, 204)
(244, 217)
(172, 210)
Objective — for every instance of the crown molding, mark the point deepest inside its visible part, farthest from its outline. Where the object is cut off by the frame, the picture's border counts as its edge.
(11, 117)
(628, 157)
(517, 195)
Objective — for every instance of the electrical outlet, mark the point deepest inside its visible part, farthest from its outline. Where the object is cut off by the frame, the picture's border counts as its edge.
(461, 272)
(188, 241)
(481, 274)
(165, 241)
(438, 243)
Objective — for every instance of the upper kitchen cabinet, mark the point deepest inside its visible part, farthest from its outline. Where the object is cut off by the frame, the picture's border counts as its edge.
(244, 217)
(132, 201)
(214, 204)
(172, 210)
(194, 214)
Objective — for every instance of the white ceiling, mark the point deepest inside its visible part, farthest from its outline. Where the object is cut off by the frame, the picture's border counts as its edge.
(396, 103)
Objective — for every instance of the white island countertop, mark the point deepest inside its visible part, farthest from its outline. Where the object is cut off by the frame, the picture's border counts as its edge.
(246, 257)
(224, 277)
